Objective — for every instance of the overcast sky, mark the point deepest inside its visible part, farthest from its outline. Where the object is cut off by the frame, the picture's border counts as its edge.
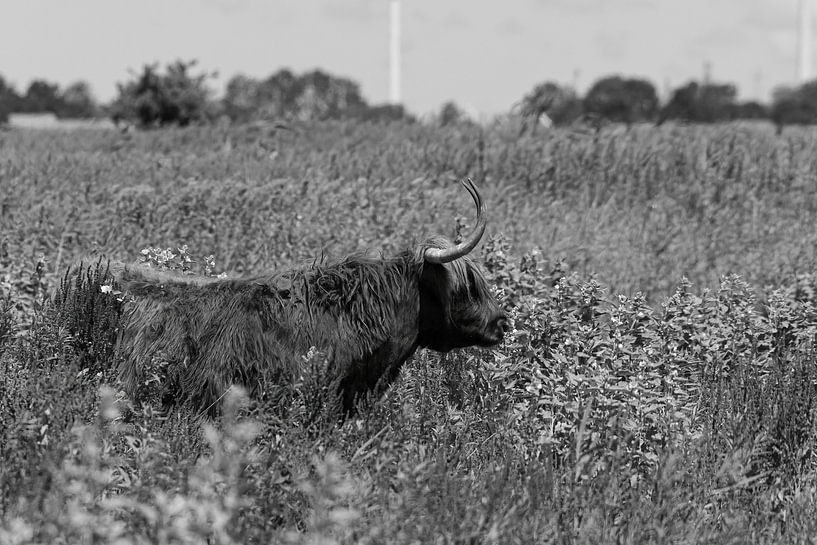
(484, 54)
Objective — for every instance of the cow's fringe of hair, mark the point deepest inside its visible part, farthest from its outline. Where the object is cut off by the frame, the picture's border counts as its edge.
(458, 269)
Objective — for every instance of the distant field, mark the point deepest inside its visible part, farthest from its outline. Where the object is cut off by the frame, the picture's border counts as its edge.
(627, 405)
(638, 209)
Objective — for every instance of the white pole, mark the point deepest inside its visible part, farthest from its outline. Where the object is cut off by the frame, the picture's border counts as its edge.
(394, 52)
(804, 41)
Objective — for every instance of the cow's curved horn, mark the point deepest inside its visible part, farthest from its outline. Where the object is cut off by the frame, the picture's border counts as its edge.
(444, 255)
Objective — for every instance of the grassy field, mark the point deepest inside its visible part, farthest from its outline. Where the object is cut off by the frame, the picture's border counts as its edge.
(658, 385)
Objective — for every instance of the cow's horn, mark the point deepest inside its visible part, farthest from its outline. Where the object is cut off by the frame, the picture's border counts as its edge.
(444, 255)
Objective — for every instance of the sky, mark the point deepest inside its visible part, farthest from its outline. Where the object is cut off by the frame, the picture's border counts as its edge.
(483, 54)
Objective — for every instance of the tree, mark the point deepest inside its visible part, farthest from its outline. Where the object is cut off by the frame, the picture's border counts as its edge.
(9, 100)
(567, 109)
(241, 98)
(41, 96)
(277, 94)
(314, 95)
(175, 97)
(717, 102)
(795, 106)
(327, 97)
(683, 104)
(707, 103)
(622, 100)
(451, 114)
(77, 101)
(548, 100)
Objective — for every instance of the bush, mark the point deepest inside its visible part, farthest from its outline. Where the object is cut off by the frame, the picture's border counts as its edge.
(175, 97)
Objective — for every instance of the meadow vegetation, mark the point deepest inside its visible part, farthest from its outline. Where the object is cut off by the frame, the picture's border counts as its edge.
(658, 385)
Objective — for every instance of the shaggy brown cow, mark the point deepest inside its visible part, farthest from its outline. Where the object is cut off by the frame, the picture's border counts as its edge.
(368, 315)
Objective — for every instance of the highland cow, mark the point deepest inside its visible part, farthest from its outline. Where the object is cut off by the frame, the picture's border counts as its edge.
(367, 315)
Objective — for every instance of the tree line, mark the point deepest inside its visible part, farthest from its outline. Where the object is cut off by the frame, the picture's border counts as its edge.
(177, 94)
(42, 96)
(635, 100)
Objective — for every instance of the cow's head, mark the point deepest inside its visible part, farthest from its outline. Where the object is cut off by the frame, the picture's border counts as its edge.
(457, 308)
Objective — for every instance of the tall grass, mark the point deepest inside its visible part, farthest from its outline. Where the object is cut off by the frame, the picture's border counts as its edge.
(627, 405)
(638, 208)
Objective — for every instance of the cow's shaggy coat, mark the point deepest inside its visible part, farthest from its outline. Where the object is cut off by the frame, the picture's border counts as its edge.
(367, 315)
